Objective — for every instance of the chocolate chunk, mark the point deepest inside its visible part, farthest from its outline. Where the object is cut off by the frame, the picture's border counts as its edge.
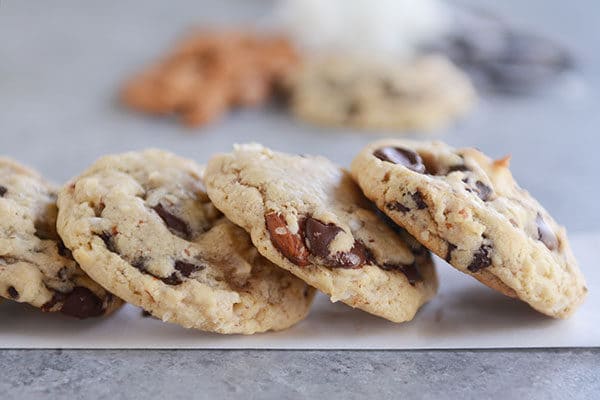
(172, 279)
(355, 258)
(82, 303)
(186, 268)
(109, 242)
(44, 230)
(418, 199)
(319, 236)
(12, 292)
(545, 233)
(290, 245)
(449, 251)
(175, 224)
(62, 249)
(481, 259)
(3, 190)
(483, 191)
(396, 206)
(410, 271)
(458, 168)
(404, 157)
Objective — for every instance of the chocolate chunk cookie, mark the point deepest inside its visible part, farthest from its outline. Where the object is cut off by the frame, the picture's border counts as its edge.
(469, 210)
(306, 215)
(424, 94)
(35, 267)
(142, 225)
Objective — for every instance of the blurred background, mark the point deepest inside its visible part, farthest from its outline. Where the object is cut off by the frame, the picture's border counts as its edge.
(63, 65)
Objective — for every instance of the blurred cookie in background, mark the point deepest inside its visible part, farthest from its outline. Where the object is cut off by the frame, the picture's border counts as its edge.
(210, 72)
(424, 94)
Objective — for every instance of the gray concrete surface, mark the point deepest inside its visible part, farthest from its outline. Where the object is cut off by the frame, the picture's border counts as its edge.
(61, 63)
(136, 374)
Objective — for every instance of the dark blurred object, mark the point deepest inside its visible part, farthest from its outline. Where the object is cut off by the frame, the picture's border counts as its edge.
(499, 57)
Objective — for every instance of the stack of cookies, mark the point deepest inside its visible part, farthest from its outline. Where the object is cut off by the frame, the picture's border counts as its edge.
(241, 245)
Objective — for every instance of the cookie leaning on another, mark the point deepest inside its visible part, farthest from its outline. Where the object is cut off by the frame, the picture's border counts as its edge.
(306, 215)
(469, 210)
(142, 226)
(35, 267)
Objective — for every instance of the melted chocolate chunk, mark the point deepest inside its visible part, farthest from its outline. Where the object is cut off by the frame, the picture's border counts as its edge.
(290, 245)
(175, 224)
(404, 157)
(107, 238)
(545, 233)
(481, 259)
(396, 206)
(355, 258)
(186, 269)
(483, 191)
(418, 199)
(319, 236)
(82, 303)
(451, 248)
(3, 190)
(12, 292)
(140, 264)
(410, 271)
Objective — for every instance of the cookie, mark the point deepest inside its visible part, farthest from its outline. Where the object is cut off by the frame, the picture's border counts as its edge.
(142, 226)
(424, 94)
(306, 215)
(469, 210)
(210, 72)
(35, 267)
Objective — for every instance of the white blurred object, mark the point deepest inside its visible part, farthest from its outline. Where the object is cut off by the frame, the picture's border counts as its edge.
(363, 27)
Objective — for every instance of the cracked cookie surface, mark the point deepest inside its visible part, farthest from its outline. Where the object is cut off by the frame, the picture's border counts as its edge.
(422, 95)
(469, 210)
(35, 267)
(306, 215)
(141, 224)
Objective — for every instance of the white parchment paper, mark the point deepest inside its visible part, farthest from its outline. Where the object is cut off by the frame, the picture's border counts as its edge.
(465, 315)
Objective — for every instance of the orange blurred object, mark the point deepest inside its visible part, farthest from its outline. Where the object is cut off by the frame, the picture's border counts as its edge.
(210, 72)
